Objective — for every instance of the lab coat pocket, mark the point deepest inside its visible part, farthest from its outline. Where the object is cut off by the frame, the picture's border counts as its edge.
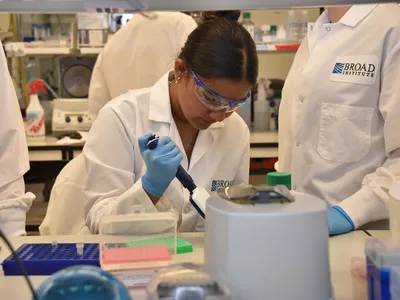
(345, 132)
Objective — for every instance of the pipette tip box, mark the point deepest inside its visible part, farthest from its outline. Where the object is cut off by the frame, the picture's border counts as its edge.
(46, 259)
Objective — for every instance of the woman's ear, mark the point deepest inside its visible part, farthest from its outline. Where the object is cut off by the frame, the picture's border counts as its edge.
(180, 69)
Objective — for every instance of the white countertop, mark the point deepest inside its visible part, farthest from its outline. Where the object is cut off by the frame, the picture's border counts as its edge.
(255, 138)
(53, 153)
(379, 233)
(341, 250)
(264, 137)
(48, 141)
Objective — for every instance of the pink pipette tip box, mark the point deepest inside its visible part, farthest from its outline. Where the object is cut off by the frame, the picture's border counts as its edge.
(136, 254)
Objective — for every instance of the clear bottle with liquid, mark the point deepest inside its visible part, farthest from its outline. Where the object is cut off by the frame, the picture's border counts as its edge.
(248, 24)
(303, 24)
(293, 26)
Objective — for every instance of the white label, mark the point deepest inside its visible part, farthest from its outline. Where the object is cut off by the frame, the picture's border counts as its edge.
(361, 69)
(96, 37)
(34, 125)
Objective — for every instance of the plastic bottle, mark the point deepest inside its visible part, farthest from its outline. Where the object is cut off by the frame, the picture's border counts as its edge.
(281, 33)
(273, 33)
(261, 107)
(293, 26)
(279, 178)
(35, 126)
(248, 24)
(303, 24)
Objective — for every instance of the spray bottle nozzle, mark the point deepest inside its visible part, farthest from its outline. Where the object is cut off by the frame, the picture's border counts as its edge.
(38, 84)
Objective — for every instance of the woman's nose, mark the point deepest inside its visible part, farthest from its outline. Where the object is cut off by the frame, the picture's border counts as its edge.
(218, 115)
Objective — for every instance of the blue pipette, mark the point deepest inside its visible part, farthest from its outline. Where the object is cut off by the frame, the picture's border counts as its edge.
(198, 196)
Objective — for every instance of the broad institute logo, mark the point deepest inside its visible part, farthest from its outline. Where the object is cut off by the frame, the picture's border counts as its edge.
(354, 69)
(217, 184)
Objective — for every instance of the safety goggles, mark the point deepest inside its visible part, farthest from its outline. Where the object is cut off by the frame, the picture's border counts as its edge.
(214, 101)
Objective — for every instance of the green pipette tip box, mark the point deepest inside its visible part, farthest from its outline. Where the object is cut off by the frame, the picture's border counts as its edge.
(181, 245)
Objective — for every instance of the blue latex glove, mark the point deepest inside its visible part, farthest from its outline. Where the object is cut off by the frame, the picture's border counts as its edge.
(338, 221)
(162, 164)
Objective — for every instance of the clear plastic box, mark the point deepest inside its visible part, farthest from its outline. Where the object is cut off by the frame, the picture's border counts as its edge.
(395, 284)
(138, 242)
(358, 271)
(382, 257)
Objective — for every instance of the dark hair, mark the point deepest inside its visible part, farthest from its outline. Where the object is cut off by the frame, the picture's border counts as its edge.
(221, 48)
(232, 15)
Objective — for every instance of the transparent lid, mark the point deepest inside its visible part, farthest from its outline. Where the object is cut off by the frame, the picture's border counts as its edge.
(383, 252)
(186, 281)
(395, 283)
(139, 241)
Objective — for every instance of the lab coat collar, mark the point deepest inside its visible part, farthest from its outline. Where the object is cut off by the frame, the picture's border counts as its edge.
(160, 106)
(356, 13)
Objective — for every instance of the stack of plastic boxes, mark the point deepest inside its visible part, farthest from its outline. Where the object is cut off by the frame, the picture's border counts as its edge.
(383, 268)
(133, 247)
(395, 284)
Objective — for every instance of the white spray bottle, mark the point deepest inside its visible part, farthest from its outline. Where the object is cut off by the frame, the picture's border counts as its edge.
(35, 125)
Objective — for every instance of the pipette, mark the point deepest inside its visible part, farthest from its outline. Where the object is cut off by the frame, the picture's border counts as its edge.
(198, 195)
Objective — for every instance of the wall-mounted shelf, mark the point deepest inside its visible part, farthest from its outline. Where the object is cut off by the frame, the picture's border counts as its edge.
(20, 49)
(277, 47)
(169, 5)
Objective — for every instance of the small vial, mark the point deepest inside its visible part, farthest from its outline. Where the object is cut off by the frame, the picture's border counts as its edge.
(79, 248)
(54, 244)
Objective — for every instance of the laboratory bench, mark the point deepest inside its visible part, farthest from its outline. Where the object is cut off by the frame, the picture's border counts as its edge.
(341, 250)
(47, 157)
(262, 144)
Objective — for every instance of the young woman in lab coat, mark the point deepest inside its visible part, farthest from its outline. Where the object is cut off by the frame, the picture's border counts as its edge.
(339, 115)
(14, 160)
(192, 109)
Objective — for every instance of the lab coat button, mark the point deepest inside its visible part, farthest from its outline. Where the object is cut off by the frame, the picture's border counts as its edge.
(301, 99)
(328, 29)
(297, 144)
(311, 27)
(294, 188)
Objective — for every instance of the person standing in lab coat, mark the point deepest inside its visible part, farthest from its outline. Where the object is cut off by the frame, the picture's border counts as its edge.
(192, 109)
(339, 115)
(138, 55)
(14, 160)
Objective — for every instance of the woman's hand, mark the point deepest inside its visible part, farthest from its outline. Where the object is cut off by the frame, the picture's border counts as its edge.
(162, 164)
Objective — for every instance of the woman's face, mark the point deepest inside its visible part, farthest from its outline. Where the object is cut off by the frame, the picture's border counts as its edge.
(198, 114)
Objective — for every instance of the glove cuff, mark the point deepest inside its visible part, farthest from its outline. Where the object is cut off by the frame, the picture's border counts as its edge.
(344, 214)
(152, 187)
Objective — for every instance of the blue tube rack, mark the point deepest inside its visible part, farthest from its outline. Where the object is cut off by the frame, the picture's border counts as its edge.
(46, 259)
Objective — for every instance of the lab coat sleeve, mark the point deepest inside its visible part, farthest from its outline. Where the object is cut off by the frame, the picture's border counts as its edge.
(99, 93)
(14, 159)
(112, 187)
(369, 203)
(243, 172)
(14, 203)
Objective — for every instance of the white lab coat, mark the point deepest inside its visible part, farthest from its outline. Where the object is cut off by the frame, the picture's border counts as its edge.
(138, 55)
(65, 212)
(14, 160)
(114, 163)
(339, 129)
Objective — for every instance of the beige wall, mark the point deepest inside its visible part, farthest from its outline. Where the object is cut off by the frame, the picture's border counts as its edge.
(276, 65)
